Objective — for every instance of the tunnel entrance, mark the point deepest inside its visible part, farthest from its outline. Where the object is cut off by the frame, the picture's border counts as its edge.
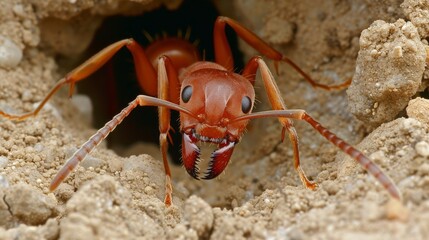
(115, 85)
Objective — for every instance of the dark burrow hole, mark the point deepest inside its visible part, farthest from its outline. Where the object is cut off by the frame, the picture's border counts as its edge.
(115, 85)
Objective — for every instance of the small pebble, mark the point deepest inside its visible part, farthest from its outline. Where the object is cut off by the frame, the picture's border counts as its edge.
(396, 210)
(422, 148)
(418, 108)
(18, 9)
(29, 204)
(3, 161)
(3, 182)
(397, 52)
(27, 96)
(148, 190)
(10, 53)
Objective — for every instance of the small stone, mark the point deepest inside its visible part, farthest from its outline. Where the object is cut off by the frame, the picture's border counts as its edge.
(422, 148)
(148, 190)
(18, 9)
(29, 205)
(3, 161)
(27, 96)
(397, 52)
(10, 53)
(418, 108)
(396, 210)
(3, 182)
(30, 140)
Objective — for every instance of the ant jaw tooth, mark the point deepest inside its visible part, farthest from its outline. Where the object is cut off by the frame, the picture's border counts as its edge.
(190, 155)
(219, 159)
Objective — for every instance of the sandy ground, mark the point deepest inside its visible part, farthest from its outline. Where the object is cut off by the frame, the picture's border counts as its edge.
(381, 44)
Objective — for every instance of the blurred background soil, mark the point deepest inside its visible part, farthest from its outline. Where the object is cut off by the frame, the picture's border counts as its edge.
(117, 192)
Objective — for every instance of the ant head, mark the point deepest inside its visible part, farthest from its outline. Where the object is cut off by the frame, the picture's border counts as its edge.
(216, 97)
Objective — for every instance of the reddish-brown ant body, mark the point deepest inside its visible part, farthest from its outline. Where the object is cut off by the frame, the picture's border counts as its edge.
(215, 104)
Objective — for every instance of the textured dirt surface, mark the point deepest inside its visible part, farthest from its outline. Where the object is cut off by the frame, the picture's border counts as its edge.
(380, 44)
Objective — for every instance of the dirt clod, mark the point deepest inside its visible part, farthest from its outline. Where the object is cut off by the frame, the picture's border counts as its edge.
(418, 108)
(28, 205)
(418, 13)
(378, 96)
(101, 209)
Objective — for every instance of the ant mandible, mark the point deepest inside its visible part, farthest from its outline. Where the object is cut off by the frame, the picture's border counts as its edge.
(215, 104)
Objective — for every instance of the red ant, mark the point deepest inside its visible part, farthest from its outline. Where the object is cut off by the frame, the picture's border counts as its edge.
(215, 104)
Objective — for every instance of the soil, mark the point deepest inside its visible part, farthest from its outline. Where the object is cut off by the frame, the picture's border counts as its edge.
(381, 45)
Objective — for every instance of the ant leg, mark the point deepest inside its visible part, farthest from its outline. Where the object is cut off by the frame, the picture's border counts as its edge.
(277, 103)
(223, 53)
(143, 68)
(166, 74)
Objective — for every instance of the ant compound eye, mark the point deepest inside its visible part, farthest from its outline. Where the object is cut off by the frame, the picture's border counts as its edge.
(246, 104)
(186, 93)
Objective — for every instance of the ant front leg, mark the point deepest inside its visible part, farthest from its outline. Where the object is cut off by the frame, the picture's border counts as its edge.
(277, 103)
(166, 74)
(223, 53)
